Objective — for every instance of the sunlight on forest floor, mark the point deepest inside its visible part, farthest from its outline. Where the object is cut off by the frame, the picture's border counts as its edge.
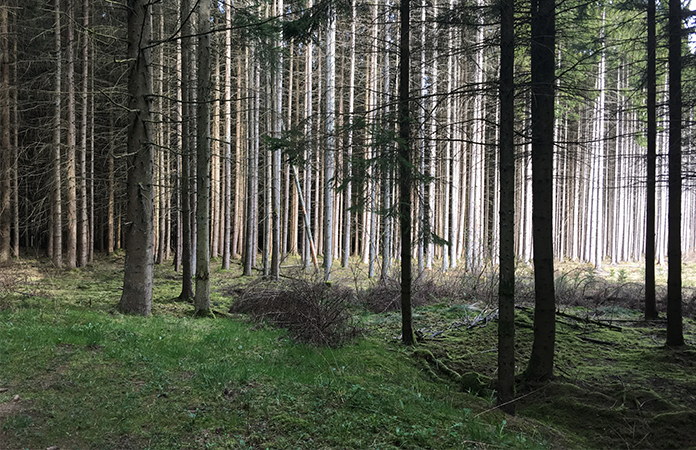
(85, 373)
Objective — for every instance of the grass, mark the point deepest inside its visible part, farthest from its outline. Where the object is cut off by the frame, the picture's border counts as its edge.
(88, 377)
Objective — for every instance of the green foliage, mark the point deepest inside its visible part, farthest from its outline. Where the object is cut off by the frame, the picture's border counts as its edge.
(89, 377)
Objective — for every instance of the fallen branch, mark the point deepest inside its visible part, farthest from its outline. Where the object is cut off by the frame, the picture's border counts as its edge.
(586, 320)
(597, 341)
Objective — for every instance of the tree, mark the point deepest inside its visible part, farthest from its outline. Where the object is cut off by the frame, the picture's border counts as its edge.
(543, 59)
(506, 286)
(56, 208)
(675, 334)
(139, 228)
(71, 191)
(650, 306)
(187, 260)
(201, 301)
(330, 153)
(5, 141)
(405, 172)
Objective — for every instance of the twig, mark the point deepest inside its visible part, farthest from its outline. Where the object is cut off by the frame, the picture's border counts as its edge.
(586, 320)
(597, 341)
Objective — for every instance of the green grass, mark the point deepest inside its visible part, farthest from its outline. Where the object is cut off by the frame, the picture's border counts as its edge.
(90, 378)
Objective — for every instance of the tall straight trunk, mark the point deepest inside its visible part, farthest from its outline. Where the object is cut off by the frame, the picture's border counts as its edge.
(348, 155)
(202, 295)
(83, 223)
(139, 263)
(543, 75)
(650, 302)
(215, 141)
(330, 152)
(238, 187)
(308, 108)
(187, 262)
(599, 156)
(506, 286)
(387, 241)
(161, 207)
(56, 209)
(71, 135)
(15, 146)
(287, 185)
(227, 145)
(277, 78)
(253, 170)
(5, 137)
(675, 334)
(405, 171)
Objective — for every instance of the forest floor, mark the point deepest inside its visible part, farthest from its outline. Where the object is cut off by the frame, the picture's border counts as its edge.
(75, 374)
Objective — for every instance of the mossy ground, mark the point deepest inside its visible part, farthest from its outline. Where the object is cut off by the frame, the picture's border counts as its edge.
(89, 377)
(616, 384)
(76, 374)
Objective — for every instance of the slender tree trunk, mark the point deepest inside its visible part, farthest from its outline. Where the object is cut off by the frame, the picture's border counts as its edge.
(83, 224)
(543, 75)
(5, 137)
(650, 302)
(57, 216)
(506, 286)
(675, 334)
(405, 180)
(277, 100)
(227, 145)
(187, 259)
(71, 200)
(348, 155)
(330, 153)
(203, 154)
(139, 264)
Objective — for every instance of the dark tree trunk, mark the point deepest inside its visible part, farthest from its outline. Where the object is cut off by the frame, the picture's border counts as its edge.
(139, 232)
(675, 335)
(506, 287)
(543, 70)
(650, 306)
(405, 172)
(187, 265)
(202, 295)
(5, 141)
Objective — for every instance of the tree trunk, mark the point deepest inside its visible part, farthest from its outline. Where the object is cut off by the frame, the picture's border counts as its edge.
(650, 301)
(330, 153)
(405, 169)
(543, 66)
(71, 200)
(57, 216)
(187, 263)
(83, 223)
(675, 334)
(139, 264)
(227, 145)
(202, 296)
(5, 137)
(506, 286)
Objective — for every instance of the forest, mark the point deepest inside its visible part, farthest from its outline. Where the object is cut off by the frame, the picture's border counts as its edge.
(360, 170)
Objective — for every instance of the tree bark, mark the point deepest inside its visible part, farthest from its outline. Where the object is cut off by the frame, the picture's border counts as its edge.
(330, 153)
(83, 223)
(543, 67)
(506, 286)
(405, 169)
(56, 216)
(139, 264)
(71, 191)
(650, 302)
(5, 137)
(675, 334)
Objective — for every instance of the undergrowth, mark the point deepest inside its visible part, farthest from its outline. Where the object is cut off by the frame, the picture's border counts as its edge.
(76, 374)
